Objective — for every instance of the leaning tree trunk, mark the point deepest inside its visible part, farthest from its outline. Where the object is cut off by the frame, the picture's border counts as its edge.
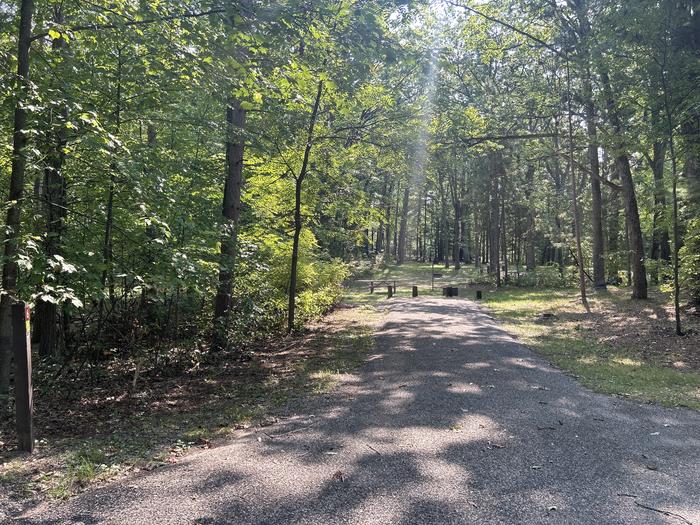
(231, 211)
(622, 165)
(13, 222)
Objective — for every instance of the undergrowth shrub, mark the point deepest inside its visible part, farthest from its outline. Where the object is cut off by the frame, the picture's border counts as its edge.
(546, 276)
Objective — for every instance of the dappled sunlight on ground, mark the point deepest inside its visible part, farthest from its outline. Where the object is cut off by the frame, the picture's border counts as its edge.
(451, 422)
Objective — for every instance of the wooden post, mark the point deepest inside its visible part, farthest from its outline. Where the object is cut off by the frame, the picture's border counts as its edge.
(389, 291)
(371, 287)
(415, 291)
(22, 346)
(478, 295)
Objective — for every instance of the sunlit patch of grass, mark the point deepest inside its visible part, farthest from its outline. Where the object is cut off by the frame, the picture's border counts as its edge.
(597, 366)
(82, 467)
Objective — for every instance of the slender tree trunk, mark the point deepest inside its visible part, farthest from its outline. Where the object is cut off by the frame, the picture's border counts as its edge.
(13, 221)
(530, 234)
(107, 278)
(494, 218)
(231, 211)
(660, 243)
(456, 227)
(574, 196)
(396, 224)
(614, 230)
(297, 208)
(477, 241)
(598, 240)
(46, 318)
(674, 176)
(387, 227)
(403, 227)
(504, 242)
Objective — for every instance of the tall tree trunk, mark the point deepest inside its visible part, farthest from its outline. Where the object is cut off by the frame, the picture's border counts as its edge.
(574, 195)
(622, 164)
(231, 211)
(494, 217)
(396, 223)
(477, 241)
(504, 242)
(387, 226)
(403, 227)
(530, 233)
(54, 195)
(660, 243)
(13, 221)
(613, 228)
(297, 208)
(598, 240)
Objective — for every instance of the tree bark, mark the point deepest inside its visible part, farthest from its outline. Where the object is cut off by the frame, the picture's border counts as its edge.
(13, 221)
(574, 196)
(297, 208)
(494, 216)
(46, 318)
(231, 211)
(598, 240)
(622, 165)
(530, 234)
(403, 227)
(660, 242)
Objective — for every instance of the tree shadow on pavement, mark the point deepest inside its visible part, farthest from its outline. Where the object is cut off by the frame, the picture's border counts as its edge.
(449, 421)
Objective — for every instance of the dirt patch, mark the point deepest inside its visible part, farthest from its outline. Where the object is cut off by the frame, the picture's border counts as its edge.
(643, 327)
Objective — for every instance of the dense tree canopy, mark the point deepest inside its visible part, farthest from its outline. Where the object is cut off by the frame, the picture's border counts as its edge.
(212, 171)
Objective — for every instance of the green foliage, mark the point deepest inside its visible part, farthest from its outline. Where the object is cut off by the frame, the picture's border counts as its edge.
(547, 276)
(690, 261)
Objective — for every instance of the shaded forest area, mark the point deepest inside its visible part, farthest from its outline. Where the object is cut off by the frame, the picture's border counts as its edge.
(189, 179)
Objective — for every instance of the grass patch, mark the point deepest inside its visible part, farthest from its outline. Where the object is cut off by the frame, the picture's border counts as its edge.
(572, 341)
(235, 397)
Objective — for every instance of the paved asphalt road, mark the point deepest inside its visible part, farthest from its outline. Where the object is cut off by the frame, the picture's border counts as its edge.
(450, 421)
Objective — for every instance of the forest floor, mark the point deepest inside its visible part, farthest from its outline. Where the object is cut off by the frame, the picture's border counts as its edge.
(624, 347)
(91, 431)
(449, 421)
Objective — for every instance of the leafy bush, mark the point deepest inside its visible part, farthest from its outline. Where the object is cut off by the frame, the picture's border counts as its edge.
(689, 257)
(546, 276)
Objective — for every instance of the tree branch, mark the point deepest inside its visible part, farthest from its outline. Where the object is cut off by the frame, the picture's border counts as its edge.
(98, 27)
